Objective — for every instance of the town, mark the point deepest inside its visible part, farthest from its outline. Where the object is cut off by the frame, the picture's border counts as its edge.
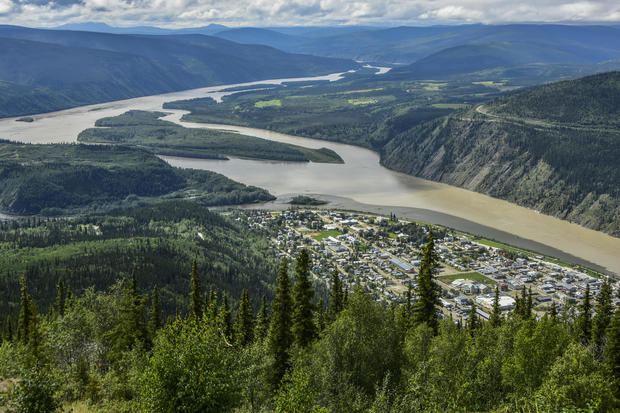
(382, 255)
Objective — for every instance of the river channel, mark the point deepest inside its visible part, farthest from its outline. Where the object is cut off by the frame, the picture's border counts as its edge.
(361, 183)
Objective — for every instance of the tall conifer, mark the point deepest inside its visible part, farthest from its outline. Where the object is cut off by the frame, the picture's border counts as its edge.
(59, 305)
(427, 291)
(280, 337)
(155, 316)
(584, 321)
(496, 314)
(262, 321)
(604, 314)
(303, 328)
(243, 321)
(25, 313)
(196, 292)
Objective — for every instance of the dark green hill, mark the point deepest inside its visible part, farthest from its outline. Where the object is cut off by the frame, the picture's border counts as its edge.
(88, 67)
(470, 58)
(593, 100)
(67, 179)
(553, 148)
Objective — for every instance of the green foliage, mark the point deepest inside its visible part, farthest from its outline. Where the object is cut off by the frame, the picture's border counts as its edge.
(427, 290)
(302, 318)
(196, 292)
(244, 331)
(191, 370)
(36, 392)
(584, 320)
(144, 129)
(280, 337)
(577, 380)
(600, 322)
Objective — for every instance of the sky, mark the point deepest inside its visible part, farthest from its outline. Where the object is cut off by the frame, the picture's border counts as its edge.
(235, 13)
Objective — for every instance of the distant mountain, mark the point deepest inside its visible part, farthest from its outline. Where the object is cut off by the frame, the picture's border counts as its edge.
(471, 58)
(405, 45)
(105, 28)
(554, 148)
(87, 67)
(250, 35)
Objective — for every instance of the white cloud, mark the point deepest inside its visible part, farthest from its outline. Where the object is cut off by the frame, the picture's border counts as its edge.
(184, 13)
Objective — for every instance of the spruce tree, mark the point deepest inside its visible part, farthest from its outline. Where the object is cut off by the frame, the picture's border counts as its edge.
(604, 313)
(472, 323)
(584, 321)
(243, 321)
(303, 327)
(280, 337)
(336, 296)
(612, 347)
(553, 312)
(195, 293)
(528, 305)
(155, 316)
(262, 321)
(496, 314)
(427, 291)
(68, 298)
(24, 322)
(59, 305)
(225, 320)
(212, 311)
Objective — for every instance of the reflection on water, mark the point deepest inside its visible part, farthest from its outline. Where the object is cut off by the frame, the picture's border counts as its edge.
(361, 178)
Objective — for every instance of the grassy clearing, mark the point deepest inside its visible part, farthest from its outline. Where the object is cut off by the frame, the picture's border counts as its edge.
(474, 276)
(432, 86)
(326, 233)
(489, 83)
(351, 92)
(362, 101)
(268, 103)
(449, 105)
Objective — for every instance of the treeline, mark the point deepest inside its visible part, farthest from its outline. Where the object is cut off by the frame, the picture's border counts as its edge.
(113, 351)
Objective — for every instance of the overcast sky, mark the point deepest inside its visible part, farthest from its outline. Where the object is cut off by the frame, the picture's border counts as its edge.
(190, 13)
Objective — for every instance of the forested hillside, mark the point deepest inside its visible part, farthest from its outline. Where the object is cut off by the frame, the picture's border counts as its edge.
(146, 130)
(68, 179)
(554, 148)
(81, 68)
(113, 350)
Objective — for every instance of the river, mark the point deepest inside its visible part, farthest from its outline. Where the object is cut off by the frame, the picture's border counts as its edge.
(360, 183)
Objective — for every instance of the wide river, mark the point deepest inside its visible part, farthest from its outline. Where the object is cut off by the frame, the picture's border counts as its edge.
(361, 183)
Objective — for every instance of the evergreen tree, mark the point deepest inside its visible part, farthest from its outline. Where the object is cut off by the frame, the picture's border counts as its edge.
(612, 348)
(336, 296)
(496, 314)
(600, 322)
(427, 291)
(8, 330)
(130, 328)
(243, 321)
(280, 338)
(303, 327)
(59, 305)
(68, 298)
(24, 323)
(262, 321)
(528, 305)
(345, 297)
(225, 317)
(584, 322)
(472, 323)
(155, 316)
(213, 308)
(553, 312)
(196, 292)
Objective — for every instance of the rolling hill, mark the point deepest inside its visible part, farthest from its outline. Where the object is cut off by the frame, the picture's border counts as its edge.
(89, 67)
(554, 148)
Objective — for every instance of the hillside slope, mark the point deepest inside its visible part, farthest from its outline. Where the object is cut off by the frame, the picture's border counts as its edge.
(553, 148)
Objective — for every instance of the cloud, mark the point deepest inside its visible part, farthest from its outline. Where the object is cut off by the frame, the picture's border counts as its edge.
(185, 13)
